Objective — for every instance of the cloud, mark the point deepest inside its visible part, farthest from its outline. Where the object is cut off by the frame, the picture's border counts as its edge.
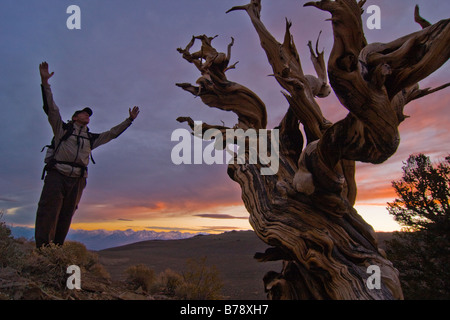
(219, 216)
(220, 228)
(174, 229)
(182, 208)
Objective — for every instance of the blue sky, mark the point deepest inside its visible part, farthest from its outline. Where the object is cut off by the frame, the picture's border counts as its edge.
(125, 55)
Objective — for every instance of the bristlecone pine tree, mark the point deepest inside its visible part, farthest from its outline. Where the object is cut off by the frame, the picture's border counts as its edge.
(305, 211)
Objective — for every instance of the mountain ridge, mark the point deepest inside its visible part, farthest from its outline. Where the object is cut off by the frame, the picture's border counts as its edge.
(101, 239)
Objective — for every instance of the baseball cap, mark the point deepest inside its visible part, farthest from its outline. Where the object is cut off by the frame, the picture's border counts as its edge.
(87, 109)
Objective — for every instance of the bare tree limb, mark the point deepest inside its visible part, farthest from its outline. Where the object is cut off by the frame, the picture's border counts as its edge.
(417, 18)
(216, 91)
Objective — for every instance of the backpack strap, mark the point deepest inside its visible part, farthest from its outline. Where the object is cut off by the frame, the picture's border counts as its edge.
(53, 162)
(92, 138)
(68, 127)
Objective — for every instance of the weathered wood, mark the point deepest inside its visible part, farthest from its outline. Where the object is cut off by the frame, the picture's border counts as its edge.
(305, 211)
(216, 91)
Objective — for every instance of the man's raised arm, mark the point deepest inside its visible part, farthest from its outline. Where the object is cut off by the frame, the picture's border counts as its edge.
(50, 107)
(116, 131)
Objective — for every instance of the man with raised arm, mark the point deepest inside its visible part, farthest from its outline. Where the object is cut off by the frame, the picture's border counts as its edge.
(66, 165)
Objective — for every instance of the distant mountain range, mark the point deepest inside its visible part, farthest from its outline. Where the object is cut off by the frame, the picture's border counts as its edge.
(102, 239)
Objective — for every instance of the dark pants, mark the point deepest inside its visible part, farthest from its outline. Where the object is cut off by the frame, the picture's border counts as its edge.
(59, 200)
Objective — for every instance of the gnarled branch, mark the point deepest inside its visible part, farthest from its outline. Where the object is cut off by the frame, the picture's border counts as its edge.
(216, 91)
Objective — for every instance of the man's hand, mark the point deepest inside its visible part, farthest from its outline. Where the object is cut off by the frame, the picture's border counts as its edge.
(45, 75)
(134, 113)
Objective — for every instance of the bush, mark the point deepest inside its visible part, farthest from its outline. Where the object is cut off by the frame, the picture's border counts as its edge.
(196, 282)
(11, 251)
(141, 276)
(44, 268)
(200, 282)
(6, 244)
(50, 263)
(168, 282)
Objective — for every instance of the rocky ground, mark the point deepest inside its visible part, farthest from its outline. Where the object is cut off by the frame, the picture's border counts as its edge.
(30, 274)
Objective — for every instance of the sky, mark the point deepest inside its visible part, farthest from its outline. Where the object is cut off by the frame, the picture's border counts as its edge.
(125, 55)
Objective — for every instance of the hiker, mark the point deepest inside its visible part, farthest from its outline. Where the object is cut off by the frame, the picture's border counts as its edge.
(66, 169)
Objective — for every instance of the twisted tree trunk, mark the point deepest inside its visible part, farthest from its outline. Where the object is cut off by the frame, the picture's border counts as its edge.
(305, 211)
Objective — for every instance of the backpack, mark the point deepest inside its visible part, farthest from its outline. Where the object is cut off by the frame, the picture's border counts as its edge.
(52, 149)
